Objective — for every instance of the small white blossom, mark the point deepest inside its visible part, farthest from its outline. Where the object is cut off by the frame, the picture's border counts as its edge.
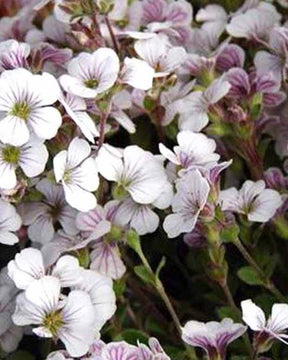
(41, 216)
(25, 106)
(100, 290)
(71, 320)
(253, 200)
(78, 174)
(194, 151)
(121, 102)
(95, 225)
(213, 337)
(106, 259)
(10, 221)
(30, 157)
(91, 74)
(76, 108)
(140, 217)
(135, 171)
(137, 73)
(196, 105)
(255, 23)
(13, 54)
(191, 197)
(274, 62)
(273, 328)
(160, 54)
(214, 19)
(171, 100)
(29, 266)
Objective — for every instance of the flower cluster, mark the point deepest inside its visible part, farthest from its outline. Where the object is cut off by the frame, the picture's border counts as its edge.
(143, 147)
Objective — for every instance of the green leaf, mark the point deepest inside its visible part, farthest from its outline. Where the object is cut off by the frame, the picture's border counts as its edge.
(250, 276)
(144, 274)
(132, 336)
(230, 233)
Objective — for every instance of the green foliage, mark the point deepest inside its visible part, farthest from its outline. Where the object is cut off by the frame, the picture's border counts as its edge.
(250, 276)
(144, 274)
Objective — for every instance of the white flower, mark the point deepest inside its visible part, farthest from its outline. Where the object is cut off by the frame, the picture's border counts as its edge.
(255, 23)
(106, 259)
(191, 197)
(160, 54)
(121, 350)
(100, 290)
(273, 328)
(13, 54)
(194, 150)
(60, 244)
(70, 320)
(135, 171)
(213, 337)
(41, 216)
(274, 62)
(10, 221)
(91, 74)
(137, 73)
(137, 216)
(25, 106)
(95, 225)
(78, 174)
(30, 157)
(122, 101)
(76, 108)
(28, 266)
(196, 105)
(140, 217)
(253, 200)
(105, 255)
(214, 18)
(171, 100)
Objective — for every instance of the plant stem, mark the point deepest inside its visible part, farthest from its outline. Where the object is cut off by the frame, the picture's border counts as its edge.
(268, 283)
(112, 35)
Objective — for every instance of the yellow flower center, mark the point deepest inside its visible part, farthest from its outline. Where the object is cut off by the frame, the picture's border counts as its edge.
(21, 110)
(53, 322)
(11, 154)
(91, 83)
